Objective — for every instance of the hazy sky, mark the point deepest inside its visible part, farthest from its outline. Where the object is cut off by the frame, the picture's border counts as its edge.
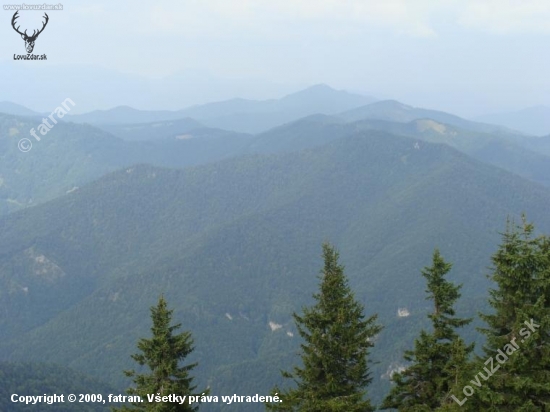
(466, 56)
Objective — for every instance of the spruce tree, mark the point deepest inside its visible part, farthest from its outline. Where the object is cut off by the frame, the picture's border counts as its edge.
(162, 355)
(337, 340)
(518, 326)
(440, 356)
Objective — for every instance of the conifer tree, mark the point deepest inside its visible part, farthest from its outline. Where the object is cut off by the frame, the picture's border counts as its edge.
(517, 348)
(337, 340)
(162, 355)
(440, 356)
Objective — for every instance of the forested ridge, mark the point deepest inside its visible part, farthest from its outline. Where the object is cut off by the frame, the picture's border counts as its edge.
(231, 239)
(441, 372)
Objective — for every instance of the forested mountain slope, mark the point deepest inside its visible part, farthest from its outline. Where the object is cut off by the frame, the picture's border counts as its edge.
(235, 247)
(71, 155)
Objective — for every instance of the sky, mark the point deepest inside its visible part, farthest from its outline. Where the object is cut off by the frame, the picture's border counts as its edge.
(469, 57)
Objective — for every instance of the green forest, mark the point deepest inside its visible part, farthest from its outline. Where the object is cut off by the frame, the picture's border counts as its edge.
(442, 372)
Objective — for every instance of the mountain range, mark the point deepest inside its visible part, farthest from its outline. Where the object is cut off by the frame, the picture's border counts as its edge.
(234, 245)
(105, 214)
(74, 154)
(240, 115)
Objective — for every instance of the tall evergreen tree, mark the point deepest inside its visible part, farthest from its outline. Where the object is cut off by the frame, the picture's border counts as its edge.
(439, 357)
(518, 327)
(162, 355)
(338, 339)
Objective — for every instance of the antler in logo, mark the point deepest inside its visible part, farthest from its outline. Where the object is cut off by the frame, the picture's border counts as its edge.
(29, 40)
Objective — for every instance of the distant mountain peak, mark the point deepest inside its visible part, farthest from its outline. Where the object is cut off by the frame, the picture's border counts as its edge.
(311, 91)
(320, 90)
(318, 87)
(395, 111)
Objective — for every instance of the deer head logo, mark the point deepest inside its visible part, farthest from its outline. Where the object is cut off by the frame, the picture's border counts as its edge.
(29, 40)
